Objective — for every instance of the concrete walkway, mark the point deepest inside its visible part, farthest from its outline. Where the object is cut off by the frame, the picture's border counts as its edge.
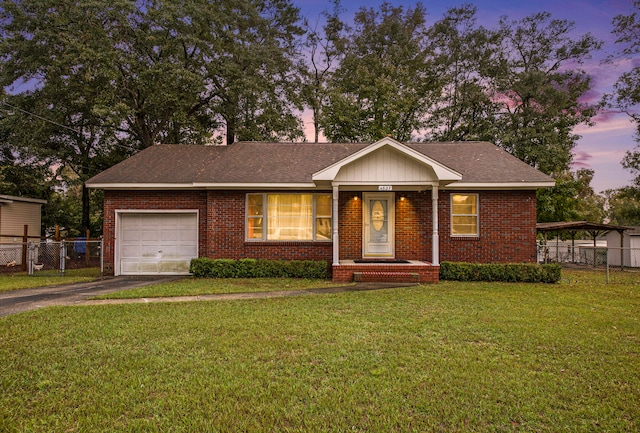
(18, 301)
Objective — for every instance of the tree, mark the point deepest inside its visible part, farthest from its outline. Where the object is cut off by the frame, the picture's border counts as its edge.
(626, 96)
(538, 82)
(251, 68)
(624, 205)
(462, 49)
(324, 47)
(385, 83)
(571, 199)
(93, 82)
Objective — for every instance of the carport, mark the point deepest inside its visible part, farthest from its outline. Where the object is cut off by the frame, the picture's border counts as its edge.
(574, 227)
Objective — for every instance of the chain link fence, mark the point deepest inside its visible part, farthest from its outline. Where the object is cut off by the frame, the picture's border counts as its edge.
(616, 264)
(53, 257)
(11, 256)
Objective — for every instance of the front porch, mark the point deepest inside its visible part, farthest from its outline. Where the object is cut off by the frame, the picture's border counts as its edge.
(413, 271)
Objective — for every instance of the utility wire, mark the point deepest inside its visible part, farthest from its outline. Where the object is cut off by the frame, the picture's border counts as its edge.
(79, 133)
(40, 117)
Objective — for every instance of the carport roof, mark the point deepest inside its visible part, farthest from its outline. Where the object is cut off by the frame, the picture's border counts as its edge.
(578, 226)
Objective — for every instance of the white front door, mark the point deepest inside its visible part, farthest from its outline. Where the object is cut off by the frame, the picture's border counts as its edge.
(378, 225)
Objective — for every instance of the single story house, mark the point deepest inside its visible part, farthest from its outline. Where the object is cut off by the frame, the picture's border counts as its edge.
(383, 210)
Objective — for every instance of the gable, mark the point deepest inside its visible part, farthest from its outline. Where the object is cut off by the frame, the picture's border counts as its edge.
(390, 161)
(386, 165)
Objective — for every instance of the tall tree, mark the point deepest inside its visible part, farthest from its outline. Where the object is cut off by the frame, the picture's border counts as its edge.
(626, 96)
(56, 51)
(571, 199)
(324, 48)
(462, 49)
(385, 83)
(538, 82)
(251, 68)
(92, 82)
(623, 205)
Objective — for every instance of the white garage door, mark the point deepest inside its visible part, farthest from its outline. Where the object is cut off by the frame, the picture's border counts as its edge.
(157, 243)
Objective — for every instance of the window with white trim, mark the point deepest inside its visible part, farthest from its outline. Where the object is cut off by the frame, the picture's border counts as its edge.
(464, 215)
(288, 217)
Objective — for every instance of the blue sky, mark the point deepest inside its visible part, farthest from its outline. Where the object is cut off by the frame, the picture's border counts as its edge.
(603, 145)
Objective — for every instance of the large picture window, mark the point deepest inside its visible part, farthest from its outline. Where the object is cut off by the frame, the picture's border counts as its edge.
(289, 217)
(464, 214)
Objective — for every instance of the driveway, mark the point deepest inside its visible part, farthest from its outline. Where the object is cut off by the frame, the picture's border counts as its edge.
(18, 301)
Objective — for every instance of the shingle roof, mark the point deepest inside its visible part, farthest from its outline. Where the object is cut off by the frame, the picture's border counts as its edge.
(256, 162)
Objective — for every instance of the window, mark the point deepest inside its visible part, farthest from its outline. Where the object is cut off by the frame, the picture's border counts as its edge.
(289, 217)
(464, 214)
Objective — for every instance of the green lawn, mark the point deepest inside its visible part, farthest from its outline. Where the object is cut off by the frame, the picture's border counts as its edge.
(447, 357)
(21, 280)
(204, 286)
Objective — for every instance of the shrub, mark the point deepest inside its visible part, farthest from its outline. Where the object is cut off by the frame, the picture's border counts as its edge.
(509, 272)
(204, 267)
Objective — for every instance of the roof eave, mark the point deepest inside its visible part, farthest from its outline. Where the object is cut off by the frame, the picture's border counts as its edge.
(500, 185)
(201, 186)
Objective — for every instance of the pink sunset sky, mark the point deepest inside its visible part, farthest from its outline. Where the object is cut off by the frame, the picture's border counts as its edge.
(602, 146)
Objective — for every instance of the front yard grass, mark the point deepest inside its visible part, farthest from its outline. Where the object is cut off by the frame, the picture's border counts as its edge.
(190, 286)
(21, 280)
(482, 357)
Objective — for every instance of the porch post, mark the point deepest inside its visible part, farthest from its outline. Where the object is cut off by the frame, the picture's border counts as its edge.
(435, 240)
(334, 214)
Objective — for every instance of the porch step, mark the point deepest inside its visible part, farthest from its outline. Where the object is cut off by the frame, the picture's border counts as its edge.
(386, 276)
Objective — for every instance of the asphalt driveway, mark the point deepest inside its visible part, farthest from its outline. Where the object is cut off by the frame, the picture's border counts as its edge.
(18, 301)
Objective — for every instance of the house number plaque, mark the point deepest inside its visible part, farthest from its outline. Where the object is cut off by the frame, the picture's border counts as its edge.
(385, 188)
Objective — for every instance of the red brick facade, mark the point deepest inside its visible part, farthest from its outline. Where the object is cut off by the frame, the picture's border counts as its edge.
(507, 226)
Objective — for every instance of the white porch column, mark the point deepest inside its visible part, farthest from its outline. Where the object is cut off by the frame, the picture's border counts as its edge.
(435, 246)
(334, 218)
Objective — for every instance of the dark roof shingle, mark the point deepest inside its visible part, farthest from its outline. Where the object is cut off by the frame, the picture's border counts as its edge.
(257, 162)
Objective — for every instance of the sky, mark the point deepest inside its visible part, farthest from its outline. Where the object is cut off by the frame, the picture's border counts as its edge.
(602, 146)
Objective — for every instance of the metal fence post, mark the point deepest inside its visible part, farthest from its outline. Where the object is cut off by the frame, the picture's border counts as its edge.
(607, 254)
(29, 258)
(63, 257)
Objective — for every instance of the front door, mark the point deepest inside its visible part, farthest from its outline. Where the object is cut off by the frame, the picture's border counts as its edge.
(378, 225)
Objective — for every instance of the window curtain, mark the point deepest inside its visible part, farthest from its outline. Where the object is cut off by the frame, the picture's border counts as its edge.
(290, 216)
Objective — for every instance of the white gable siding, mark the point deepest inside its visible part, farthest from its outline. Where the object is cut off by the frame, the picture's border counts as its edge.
(386, 165)
(14, 216)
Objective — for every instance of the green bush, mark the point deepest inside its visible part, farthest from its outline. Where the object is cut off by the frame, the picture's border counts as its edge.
(509, 272)
(257, 268)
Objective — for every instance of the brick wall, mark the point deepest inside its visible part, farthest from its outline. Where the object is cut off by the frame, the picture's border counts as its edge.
(507, 226)
(149, 200)
(507, 229)
(413, 226)
(350, 229)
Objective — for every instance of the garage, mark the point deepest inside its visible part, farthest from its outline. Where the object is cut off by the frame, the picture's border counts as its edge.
(155, 243)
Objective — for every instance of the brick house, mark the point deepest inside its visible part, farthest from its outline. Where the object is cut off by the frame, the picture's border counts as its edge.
(384, 209)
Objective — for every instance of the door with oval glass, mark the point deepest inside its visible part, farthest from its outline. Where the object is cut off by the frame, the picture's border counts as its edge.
(378, 225)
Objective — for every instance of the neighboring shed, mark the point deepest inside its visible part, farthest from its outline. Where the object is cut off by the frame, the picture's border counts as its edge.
(15, 214)
(625, 245)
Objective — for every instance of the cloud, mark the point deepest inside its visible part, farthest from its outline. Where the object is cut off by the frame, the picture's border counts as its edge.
(581, 159)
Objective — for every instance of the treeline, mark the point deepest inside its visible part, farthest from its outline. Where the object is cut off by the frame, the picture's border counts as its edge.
(88, 83)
